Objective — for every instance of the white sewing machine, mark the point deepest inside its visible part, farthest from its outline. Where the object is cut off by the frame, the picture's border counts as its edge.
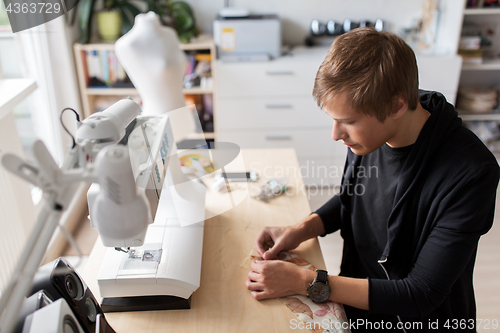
(163, 272)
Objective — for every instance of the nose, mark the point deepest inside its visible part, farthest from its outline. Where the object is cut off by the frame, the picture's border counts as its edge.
(338, 133)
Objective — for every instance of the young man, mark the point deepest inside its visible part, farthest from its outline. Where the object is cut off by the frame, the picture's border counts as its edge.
(411, 234)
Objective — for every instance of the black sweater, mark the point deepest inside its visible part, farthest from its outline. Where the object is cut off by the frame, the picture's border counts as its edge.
(444, 202)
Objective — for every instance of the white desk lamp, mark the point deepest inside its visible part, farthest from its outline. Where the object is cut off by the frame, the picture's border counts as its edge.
(120, 211)
(95, 133)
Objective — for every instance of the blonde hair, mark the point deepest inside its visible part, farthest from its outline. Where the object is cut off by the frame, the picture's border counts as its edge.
(372, 67)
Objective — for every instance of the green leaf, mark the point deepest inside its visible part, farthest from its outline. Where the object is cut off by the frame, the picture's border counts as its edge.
(129, 12)
(127, 22)
(183, 21)
(74, 15)
(85, 19)
(151, 5)
(183, 16)
(133, 9)
(185, 37)
(182, 5)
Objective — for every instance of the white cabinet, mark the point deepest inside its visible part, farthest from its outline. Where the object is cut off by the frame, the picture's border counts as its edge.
(270, 112)
(287, 76)
(440, 73)
(270, 105)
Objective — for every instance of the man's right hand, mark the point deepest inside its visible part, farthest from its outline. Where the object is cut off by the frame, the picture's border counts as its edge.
(273, 240)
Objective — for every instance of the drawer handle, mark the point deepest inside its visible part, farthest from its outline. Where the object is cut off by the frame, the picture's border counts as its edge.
(279, 72)
(278, 106)
(276, 137)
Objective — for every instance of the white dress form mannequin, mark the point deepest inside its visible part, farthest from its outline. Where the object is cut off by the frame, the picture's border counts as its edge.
(155, 64)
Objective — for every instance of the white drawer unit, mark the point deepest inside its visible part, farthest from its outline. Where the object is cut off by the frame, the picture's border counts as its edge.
(307, 143)
(270, 105)
(287, 76)
(270, 79)
(283, 112)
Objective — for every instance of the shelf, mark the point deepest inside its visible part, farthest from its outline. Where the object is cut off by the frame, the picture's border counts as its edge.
(487, 65)
(204, 135)
(98, 96)
(133, 91)
(494, 146)
(478, 116)
(197, 91)
(6, 34)
(111, 91)
(482, 11)
(202, 42)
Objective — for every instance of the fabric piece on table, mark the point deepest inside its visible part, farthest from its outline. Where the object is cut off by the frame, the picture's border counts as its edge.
(326, 317)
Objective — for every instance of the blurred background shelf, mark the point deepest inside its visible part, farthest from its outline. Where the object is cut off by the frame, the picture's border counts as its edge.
(482, 11)
(480, 74)
(133, 91)
(467, 116)
(97, 98)
(197, 91)
(111, 92)
(487, 65)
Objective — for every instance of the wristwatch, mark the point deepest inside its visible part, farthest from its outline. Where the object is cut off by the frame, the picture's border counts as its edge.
(319, 290)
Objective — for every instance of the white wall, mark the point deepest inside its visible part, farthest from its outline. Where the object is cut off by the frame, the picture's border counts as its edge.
(296, 15)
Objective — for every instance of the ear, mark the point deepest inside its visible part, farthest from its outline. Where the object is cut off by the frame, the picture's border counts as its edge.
(399, 106)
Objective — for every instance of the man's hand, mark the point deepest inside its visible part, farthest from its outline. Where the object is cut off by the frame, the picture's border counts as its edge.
(275, 278)
(273, 240)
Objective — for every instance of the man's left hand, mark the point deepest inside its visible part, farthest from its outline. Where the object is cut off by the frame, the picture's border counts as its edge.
(275, 278)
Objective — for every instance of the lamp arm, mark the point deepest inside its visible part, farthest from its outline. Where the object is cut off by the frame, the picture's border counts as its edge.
(56, 201)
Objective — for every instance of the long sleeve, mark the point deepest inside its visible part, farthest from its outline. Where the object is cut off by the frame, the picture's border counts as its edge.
(330, 214)
(462, 217)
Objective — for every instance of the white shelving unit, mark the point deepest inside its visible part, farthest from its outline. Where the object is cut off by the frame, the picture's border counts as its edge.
(482, 11)
(479, 116)
(89, 95)
(486, 74)
(491, 65)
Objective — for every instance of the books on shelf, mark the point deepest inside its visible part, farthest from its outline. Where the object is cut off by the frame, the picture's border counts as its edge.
(204, 108)
(198, 71)
(482, 3)
(102, 70)
(471, 56)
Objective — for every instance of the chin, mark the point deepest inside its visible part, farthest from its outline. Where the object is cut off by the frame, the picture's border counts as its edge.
(361, 151)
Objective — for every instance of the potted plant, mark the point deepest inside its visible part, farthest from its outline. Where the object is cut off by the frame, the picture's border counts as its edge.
(117, 17)
(176, 14)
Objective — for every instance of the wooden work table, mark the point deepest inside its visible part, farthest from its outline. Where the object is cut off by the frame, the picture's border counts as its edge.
(222, 303)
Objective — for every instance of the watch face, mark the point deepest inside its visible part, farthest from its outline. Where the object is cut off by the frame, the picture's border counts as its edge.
(319, 292)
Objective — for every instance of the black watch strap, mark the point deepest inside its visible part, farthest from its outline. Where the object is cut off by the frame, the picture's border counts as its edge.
(322, 276)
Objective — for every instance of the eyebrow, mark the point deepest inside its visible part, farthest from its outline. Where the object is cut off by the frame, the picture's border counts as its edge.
(340, 119)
